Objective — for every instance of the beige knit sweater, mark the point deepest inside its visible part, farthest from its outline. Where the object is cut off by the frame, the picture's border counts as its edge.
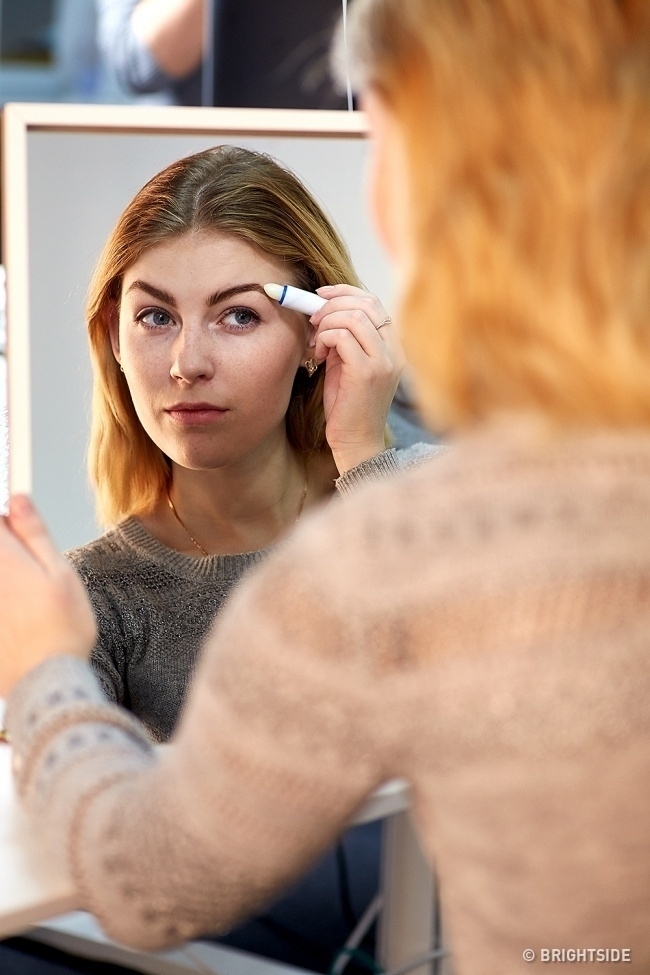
(480, 626)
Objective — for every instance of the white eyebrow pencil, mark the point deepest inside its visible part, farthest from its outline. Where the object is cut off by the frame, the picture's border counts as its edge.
(295, 298)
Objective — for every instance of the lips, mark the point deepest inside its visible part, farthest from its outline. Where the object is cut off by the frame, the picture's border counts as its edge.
(192, 407)
(195, 413)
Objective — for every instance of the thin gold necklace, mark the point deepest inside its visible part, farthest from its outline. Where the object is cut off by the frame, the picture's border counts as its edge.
(198, 544)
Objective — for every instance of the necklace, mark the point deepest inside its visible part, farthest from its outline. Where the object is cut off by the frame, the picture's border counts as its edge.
(198, 544)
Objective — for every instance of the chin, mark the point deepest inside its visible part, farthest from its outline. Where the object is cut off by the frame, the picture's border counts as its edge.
(202, 462)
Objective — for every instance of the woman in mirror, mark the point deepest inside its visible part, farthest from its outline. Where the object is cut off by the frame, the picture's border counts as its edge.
(219, 419)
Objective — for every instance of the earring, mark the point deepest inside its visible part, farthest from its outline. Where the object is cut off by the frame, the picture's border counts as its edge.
(311, 366)
(121, 367)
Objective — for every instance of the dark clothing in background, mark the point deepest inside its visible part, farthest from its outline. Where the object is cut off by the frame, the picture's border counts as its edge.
(265, 55)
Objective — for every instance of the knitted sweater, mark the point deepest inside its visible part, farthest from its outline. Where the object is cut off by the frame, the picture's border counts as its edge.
(478, 626)
(154, 606)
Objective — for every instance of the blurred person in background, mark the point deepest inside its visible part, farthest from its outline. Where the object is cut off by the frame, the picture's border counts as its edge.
(257, 55)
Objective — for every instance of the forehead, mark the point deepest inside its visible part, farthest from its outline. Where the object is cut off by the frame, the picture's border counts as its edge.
(211, 254)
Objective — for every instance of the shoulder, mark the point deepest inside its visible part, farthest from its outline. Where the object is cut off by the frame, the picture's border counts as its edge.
(113, 563)
(104, 555)
(368, 535)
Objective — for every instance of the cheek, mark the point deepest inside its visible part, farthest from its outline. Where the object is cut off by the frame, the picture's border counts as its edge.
(146, 371)
(267, 372)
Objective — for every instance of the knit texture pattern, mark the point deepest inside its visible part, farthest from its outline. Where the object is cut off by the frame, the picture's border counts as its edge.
(154, 606)
(478, 625)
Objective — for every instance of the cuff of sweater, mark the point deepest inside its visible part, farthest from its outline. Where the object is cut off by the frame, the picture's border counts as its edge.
(381, 465)
(53, 697)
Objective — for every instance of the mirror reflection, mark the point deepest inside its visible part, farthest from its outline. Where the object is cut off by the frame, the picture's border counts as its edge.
(69, 222)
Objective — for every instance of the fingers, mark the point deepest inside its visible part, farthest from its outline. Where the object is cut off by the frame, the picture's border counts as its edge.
(26, 525)
(353, 354)
(343, 297)
(362, 314)
(355, 322)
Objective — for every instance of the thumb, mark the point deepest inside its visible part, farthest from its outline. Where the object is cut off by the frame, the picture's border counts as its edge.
(28, 527)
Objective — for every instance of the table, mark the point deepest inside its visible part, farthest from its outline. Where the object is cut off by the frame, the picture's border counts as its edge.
(31, 889)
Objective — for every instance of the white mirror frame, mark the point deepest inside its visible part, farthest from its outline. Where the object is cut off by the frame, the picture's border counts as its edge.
(20, 120)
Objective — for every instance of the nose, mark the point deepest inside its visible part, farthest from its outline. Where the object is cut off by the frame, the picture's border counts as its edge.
(192, 354)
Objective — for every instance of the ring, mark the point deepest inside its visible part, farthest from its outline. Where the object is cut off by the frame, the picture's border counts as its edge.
(387, 321)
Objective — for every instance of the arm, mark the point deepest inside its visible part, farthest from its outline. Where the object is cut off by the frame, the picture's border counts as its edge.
(172, 30)
(146, 43)
(271, 759)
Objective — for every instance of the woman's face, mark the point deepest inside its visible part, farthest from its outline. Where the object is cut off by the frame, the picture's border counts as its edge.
(209, 359)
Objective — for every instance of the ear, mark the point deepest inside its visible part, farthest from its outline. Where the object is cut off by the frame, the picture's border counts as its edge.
(114, 329)
(310, 342)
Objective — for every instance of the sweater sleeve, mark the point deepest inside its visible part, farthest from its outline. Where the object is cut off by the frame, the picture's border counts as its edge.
(389, 462)
(272, 757)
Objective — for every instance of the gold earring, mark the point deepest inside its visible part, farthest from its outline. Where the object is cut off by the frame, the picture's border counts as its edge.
(311, 366)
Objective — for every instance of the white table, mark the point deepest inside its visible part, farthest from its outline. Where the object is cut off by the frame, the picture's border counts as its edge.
(31, 890)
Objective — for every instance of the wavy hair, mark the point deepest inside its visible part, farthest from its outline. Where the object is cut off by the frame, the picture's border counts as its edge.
(526, 125)
(230, 190)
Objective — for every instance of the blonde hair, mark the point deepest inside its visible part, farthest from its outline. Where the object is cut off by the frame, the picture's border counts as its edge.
(233, 191)
(526, 126)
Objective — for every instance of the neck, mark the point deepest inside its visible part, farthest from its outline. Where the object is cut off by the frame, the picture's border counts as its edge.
(238, 508)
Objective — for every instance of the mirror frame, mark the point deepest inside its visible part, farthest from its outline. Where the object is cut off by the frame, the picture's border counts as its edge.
(16, 123)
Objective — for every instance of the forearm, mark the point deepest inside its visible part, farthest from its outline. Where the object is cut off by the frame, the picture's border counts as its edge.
(172, 31)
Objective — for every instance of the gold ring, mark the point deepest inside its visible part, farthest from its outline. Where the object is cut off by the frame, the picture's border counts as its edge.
(387, 321)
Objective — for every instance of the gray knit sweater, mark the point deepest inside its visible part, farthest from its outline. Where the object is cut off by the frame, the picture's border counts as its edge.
(154, 606)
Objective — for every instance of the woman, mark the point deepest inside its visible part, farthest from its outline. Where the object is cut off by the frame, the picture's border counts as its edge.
(213, 433)
(479, 625)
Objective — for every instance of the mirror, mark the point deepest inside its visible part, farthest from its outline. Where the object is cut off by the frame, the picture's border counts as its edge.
(68, 171)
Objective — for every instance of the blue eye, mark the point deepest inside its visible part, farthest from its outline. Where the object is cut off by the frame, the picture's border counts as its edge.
(154, 318)
(240, 319)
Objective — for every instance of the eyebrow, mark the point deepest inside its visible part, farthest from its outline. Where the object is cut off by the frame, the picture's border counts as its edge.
(214, 299)
(237, 289)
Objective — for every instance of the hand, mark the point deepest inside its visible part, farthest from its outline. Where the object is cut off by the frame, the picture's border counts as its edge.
(45, 610)
(363, 365)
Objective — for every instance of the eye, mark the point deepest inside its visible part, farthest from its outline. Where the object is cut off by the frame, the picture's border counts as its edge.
(154, 318)
(240, 319)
